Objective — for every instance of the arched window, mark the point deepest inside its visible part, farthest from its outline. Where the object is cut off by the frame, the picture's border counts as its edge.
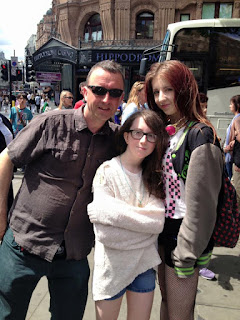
(93, 28)
(144, 25)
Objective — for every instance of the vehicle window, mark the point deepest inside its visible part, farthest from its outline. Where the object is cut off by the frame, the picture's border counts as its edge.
(192, 40)
(212, 54)
(225, 69)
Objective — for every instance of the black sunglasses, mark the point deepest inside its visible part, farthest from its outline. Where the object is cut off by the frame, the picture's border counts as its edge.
(101, 91)
(68, 97)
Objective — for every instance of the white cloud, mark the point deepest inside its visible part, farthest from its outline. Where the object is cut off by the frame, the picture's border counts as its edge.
(18, 22)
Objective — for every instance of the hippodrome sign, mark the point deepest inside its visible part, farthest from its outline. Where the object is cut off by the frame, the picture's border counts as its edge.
(127, 56)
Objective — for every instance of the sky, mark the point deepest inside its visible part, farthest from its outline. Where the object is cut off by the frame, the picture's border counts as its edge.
(18, 21)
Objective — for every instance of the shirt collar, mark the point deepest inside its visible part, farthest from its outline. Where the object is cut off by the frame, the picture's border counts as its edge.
(81, 124)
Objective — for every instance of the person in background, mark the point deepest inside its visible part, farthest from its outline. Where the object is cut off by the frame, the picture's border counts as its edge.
(48, 232)
(233, 147)
(20, 115)
(66, 100)
(38, 102)
(13, 100)
(79, 103)
(32, 103)
(203, 102)
(28, 98)
(42, 100)
(192, 185)
(124, 103)
(5, 104)
(136, 101)
(45, 107)
(230, 136)
(118, 115)
(128, 215)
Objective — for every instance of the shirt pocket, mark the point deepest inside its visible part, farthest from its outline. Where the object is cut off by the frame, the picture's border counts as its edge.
(65, 155)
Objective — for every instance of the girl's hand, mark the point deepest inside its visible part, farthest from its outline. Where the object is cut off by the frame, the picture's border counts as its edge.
(226, 149)
(236, 168)
(231, 145)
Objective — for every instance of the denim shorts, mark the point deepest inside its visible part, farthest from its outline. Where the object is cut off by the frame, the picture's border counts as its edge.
(168, 239)
(144, 282)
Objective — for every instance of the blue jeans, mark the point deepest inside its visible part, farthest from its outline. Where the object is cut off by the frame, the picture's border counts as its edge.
(20, 272)
(229, 169)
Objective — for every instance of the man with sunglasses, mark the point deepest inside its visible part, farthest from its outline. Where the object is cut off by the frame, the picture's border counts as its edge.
(48, 232)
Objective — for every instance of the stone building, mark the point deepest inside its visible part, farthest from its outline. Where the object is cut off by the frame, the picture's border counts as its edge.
(125, 20)
(113, 29)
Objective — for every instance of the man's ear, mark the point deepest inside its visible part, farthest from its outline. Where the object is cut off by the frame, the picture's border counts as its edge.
(84, 93)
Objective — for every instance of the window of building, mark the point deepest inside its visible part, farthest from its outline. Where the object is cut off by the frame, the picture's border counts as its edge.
(144, 25)
(217, 10)
(225, 10)
(184, 17)
(93, 29)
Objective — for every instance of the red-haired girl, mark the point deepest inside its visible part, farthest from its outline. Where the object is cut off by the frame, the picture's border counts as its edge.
(192, 168)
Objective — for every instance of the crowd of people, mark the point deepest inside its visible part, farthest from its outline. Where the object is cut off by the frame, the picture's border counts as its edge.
(129, 187)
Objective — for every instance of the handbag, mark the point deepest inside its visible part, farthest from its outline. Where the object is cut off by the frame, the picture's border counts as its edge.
(20, 117)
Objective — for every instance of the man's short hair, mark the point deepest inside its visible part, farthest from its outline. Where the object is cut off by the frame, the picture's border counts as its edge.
(203, 97)
(22, 95)
(107, 65)
(82, 84)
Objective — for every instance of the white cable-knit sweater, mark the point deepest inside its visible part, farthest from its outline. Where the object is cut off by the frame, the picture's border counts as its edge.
(126, 235)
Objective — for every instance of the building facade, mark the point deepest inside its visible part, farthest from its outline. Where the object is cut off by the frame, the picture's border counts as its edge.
(117, 29)
(81, 21)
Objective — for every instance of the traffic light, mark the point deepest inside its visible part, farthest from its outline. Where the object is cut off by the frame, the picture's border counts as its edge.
(4, 71)
(30, 72)
(19, 75)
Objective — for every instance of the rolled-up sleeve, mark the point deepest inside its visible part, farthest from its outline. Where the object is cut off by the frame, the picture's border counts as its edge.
(29, 143)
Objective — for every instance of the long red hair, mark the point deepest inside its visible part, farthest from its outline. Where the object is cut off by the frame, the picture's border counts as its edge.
(187, 99)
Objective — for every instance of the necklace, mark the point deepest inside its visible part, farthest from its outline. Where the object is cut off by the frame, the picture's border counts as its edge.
(174, 127)
(140, 205)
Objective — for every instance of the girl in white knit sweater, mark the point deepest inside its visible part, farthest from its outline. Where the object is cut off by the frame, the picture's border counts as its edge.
(128, 215)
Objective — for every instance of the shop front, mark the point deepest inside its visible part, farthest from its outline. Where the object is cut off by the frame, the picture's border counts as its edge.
(55, 66)
(59, 66)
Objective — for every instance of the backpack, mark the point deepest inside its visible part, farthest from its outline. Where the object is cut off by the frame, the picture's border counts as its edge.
(227, 227)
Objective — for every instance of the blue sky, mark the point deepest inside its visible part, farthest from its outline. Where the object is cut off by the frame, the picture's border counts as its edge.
(19, 19)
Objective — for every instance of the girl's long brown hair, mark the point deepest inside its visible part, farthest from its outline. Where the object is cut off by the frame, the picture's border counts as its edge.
(152, 164)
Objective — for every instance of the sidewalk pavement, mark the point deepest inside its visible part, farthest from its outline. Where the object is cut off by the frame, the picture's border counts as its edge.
(216, 300)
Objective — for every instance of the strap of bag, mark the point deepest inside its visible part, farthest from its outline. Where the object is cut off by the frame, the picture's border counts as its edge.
(180, 141)
(20, 118)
